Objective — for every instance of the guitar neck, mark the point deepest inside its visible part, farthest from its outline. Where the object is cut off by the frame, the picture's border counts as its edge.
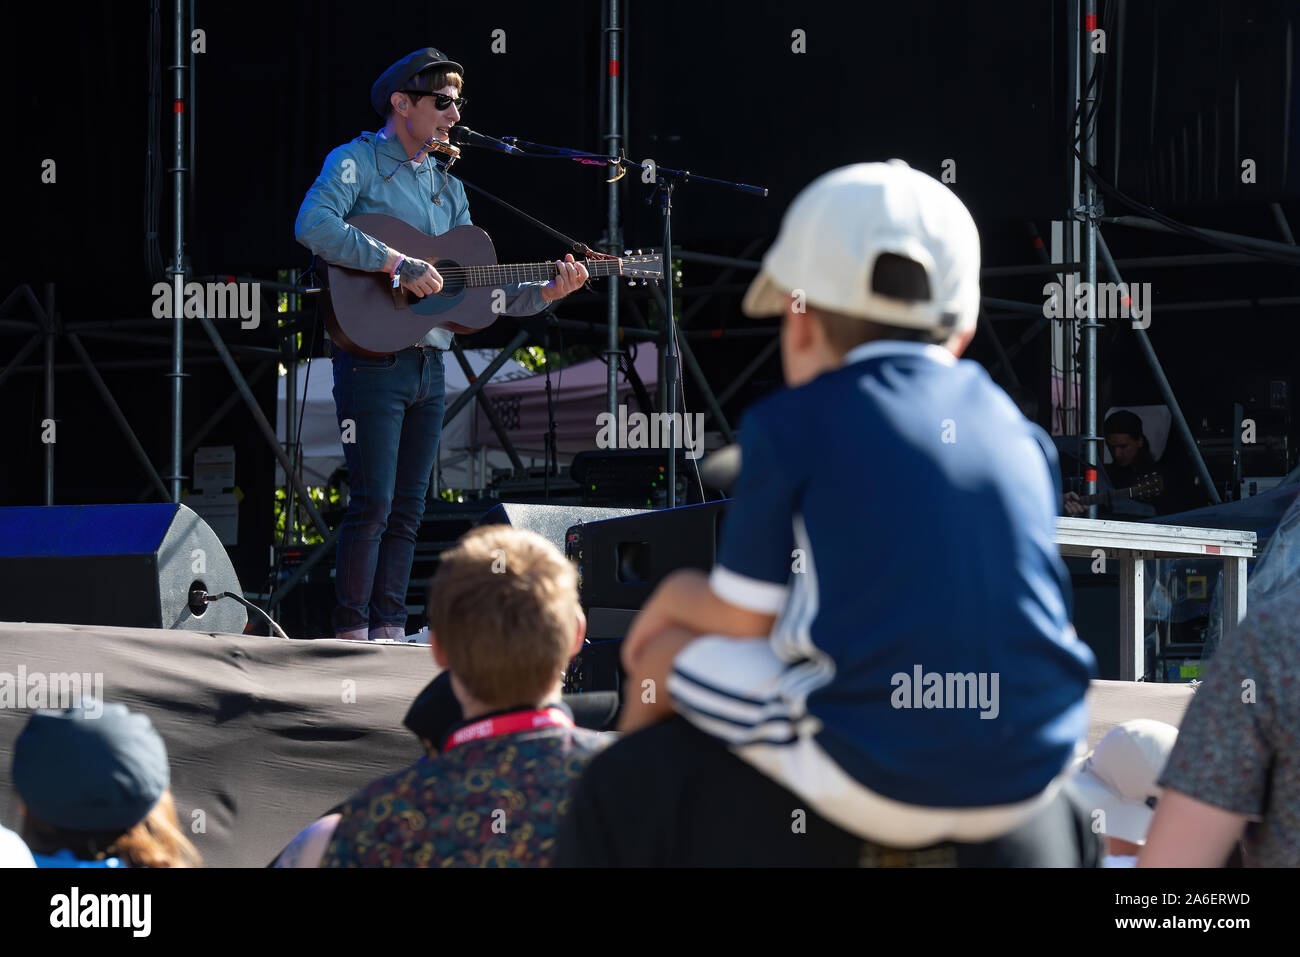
(497, 275)
(1107, 497)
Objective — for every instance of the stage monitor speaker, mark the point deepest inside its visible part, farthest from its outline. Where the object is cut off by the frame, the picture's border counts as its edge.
(128, 565)
(552, 522)
(621, 560)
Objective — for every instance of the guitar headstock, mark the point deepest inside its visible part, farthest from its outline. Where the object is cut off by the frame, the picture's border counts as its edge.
(647, 264)
(1148, 487)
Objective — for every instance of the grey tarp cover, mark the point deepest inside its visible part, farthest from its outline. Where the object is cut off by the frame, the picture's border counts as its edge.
(264, 734)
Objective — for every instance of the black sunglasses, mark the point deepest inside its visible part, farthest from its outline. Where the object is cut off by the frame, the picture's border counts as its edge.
(440, 100)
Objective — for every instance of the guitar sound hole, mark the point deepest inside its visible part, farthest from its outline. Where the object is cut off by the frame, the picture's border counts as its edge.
(453, 284)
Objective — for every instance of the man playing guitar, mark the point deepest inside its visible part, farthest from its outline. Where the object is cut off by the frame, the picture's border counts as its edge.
(390, 407)
(1133, 472)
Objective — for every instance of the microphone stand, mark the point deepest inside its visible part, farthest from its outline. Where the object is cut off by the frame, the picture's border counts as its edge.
(665, 180)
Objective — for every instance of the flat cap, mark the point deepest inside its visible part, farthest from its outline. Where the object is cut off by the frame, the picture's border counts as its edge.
(399, 74)
(83, 769)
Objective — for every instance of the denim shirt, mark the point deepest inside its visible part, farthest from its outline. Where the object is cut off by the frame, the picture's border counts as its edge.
(352, 182)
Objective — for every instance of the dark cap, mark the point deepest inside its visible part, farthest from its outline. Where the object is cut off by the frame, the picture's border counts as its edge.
(399, 74)
(83, 770)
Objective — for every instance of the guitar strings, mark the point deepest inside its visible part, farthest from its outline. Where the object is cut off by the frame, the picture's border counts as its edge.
(530, 271)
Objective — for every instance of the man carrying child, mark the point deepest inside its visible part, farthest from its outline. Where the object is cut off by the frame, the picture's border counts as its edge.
(886, 632)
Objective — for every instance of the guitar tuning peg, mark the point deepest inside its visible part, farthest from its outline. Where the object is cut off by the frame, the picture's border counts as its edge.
(627, 252)
(631, 282)
(638, 252)
(643, 282)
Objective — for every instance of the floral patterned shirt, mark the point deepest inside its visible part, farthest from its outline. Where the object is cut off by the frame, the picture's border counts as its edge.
(493, 802)
(1239, 744)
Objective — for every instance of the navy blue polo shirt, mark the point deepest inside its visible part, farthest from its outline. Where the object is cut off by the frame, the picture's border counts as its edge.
(898, 515)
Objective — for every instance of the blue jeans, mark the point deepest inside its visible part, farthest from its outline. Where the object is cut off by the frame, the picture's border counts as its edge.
(395, 406)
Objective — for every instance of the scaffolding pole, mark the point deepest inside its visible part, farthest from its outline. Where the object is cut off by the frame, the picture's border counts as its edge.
(1162, 383)
(179, 70)
(1089, 440)
(613, 42)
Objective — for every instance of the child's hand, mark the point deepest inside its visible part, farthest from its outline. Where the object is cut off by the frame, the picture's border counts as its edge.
(646, 699)
(648, 623)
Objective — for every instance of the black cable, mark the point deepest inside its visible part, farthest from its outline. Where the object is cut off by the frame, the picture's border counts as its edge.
(551, 452)
(548, 440)
(681, 388)
(1075, 139)
(1182, 228)
(275, 628)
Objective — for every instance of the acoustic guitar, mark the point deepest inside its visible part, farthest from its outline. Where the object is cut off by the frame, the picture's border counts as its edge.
(370, 318)
(1148, 487)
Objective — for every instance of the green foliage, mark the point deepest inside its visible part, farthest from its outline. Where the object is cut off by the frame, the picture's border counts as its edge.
(321, 497)
(532, 358)
(536, 359)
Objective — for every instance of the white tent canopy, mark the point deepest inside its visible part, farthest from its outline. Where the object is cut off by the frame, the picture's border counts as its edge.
(469, 448)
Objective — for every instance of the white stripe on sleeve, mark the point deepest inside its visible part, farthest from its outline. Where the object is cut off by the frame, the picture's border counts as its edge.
(745, 592)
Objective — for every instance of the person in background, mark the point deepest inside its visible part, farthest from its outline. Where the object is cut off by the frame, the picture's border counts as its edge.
(1234, 774)
(1131, 463)
(96, 792)
(1116, 782)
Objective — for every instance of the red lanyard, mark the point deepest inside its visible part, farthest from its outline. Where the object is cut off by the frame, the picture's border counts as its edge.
(508, 724)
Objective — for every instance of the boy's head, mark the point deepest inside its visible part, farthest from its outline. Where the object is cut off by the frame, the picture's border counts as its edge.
(1124, 437)
(504, 617)
(870, 251)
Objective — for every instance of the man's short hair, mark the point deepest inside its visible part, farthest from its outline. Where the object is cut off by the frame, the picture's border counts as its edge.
(504, 608)
(430, 80)
(892, 275)
(1123, 421)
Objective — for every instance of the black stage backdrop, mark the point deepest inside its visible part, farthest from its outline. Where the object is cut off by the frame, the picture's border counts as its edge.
(716, 87)
(713, 87)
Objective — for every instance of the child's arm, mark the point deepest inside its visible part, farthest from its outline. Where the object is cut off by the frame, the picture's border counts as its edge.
(645, 696)
(681, 608)
(684, 600)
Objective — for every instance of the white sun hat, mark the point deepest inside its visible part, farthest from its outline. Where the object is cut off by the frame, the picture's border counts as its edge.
(1119, 776)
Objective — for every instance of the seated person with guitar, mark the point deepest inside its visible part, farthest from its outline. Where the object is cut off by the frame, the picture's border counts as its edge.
(388, 373)
(1133, 472)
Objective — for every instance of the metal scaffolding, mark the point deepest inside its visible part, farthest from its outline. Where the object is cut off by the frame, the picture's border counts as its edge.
(44, 326)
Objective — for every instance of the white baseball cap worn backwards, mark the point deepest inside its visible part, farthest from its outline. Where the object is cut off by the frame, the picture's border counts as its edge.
(839, 225)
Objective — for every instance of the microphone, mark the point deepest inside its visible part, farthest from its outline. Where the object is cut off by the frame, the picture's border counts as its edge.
(464, 136)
